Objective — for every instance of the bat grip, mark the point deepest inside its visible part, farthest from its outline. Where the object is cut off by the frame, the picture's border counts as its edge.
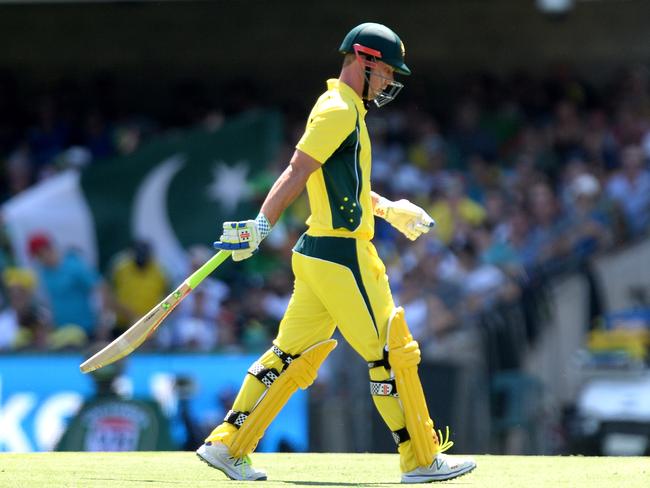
(210, 265)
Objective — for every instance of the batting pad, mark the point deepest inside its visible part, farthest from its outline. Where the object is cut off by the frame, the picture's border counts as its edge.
(404, 357)
(301, 373)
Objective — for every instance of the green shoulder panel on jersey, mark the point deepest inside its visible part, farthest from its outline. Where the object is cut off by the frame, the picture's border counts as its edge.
(343, 181)
(339, 250)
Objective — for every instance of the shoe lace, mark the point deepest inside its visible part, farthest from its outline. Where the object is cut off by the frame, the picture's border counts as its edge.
(443, 441)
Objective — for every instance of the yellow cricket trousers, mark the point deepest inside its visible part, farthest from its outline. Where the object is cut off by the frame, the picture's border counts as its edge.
(339, 282)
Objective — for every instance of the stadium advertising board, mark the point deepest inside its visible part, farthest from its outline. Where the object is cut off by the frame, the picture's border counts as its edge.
(40, 394)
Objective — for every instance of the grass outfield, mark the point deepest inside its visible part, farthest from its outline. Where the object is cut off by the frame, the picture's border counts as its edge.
(183, 469)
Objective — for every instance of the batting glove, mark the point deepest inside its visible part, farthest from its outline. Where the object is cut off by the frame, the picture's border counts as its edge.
(243, 237)
(406, 217)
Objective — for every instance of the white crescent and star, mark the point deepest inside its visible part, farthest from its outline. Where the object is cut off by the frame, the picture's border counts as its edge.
(150, 216)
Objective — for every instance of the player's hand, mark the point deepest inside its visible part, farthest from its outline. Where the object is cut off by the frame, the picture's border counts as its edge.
(243, 237)
(406, 217)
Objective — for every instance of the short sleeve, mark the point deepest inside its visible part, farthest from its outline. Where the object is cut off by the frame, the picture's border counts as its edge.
(328, 126)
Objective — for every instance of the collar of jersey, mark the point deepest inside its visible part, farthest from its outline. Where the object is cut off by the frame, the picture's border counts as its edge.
(348, 92)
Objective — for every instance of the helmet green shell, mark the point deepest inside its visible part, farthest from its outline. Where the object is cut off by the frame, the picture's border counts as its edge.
(380, 38)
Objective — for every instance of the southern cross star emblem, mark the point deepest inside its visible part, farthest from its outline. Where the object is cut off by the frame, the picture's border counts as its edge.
(229, 185)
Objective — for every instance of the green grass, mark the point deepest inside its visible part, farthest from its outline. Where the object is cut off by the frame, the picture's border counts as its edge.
(183, 469)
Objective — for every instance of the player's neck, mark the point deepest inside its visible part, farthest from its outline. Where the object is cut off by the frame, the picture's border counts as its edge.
(351, 76)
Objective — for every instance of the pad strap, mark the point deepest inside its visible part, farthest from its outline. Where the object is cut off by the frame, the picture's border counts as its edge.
(266, 375)
(380, 362)
(384, 388)
(235, 418)
(401, 435)
(300, 374)
(285, 357)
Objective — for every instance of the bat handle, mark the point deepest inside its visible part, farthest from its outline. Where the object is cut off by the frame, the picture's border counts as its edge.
(208, 267)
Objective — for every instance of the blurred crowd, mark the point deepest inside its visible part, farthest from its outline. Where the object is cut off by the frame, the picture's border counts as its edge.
(527, 177)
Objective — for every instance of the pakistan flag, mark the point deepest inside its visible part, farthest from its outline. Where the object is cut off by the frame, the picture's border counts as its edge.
(174, 192)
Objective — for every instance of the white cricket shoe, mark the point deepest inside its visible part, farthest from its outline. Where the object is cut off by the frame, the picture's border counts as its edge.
(443, 467)
(217, 455)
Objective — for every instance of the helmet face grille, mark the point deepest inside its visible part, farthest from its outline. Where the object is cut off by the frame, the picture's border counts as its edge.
(388, 94)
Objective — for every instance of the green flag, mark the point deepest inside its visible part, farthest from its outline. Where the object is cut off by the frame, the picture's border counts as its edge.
(174, 192)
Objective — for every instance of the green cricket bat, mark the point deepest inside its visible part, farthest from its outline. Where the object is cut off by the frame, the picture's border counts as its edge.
(139, 332)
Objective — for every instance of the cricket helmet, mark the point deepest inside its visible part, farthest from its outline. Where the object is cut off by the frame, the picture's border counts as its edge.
(380, 42)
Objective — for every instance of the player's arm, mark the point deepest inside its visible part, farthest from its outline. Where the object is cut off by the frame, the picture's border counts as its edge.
(289, 185)
(243, 238)
(406, 217)
(330, 122)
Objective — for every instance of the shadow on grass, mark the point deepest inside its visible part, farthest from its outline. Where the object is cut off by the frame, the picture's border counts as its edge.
(157, 481)
(337, 483)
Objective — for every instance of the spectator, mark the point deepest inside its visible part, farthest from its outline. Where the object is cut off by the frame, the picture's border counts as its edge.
(481, 177)
(548, 236)
(138, 283)
(455, 212)
(482, 285)
(99, 139)
(468, 137)
(497, 210)
(19, 170)
(69, 286)
(588, 225)
(519, 237)
(630, 187)
(24, 323)
(494, 251)
(599, 143)
(257, 326)
(47, 138)
(567, 131)
(430, 300)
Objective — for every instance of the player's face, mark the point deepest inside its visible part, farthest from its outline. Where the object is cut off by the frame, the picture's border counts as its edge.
(380, 78)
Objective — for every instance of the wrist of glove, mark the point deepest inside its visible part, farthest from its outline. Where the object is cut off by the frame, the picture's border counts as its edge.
(406, 217)
(243, 237)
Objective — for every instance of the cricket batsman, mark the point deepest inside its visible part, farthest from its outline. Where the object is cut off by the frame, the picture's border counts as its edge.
(340, 281)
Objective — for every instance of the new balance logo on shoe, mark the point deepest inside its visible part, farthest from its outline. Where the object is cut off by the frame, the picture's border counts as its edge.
(217, 456)
(238, 462)
(443, 467)
(439, 463)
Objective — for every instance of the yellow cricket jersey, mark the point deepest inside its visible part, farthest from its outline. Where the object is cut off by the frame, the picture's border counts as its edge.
(339, 192)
